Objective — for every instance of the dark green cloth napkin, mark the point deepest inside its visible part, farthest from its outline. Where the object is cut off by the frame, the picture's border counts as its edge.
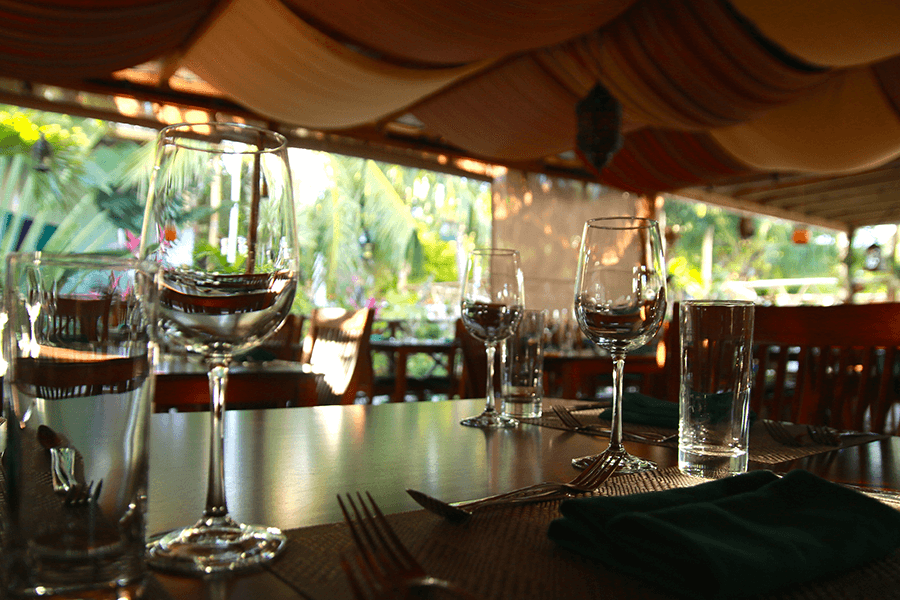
(641, 409)
(733, 537)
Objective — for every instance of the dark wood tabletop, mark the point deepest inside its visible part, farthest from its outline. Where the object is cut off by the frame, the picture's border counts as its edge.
(285, 467)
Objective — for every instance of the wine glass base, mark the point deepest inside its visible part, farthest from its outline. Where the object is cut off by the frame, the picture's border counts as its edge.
(490, 420)
(628, 464)
(205, 549)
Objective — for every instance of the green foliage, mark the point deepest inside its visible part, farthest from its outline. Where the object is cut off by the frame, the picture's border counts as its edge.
(378, 233)
(380, 227)
(767, 253)
(203, 249)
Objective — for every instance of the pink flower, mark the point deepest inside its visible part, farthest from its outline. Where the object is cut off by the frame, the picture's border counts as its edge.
(133, 242)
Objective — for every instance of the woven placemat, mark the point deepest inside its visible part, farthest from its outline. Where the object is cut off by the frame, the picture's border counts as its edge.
(505, 554)
(763, 448)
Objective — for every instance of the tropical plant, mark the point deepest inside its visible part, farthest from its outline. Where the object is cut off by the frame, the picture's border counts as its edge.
(766, 251)
(381, 232)
(56, 209)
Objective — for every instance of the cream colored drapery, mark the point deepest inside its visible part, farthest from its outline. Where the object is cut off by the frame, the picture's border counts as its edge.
(543, 219)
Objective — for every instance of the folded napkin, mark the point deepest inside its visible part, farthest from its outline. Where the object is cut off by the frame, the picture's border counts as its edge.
(644, 410)
(641, 409)
(732, 537)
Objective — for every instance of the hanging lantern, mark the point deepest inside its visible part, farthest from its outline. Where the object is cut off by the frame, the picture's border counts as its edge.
(41, 154)
(873, 257)
(801, 236)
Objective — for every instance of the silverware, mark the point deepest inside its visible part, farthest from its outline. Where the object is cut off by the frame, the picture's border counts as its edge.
(829, 436)
(62, 460)
(589, 480)
(80, 495)
(824, 435)
(388, 569)
(574, 423)
(778, 432)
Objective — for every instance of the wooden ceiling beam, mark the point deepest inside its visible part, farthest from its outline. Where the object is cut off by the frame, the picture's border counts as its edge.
(752, 208)
(881, 193)
(801, 198)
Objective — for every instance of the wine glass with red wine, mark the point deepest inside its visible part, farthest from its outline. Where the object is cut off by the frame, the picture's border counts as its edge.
(620, 303)
(492, 302)
(220, 225)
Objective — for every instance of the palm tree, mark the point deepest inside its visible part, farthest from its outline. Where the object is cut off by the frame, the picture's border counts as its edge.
(381, 228)
(361, 223)
(53, 207)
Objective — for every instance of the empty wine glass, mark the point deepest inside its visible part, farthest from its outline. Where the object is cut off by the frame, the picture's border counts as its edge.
(492, 302)
(620, 302)
(220, 224)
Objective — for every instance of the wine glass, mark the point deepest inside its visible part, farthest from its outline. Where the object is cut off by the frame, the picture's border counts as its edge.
(492, 302)
(220, 224)
(620, 302)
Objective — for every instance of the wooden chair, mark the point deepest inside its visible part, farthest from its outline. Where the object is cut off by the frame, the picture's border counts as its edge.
(286, 343)
(473, 379)
(822, 365)
(77, 317)
(189, 391)
(337, 345)
(831, 365)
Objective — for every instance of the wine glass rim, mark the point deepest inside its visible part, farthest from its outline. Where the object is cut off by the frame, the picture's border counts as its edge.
(74, 259)
(626, 222)
(509, 251)
(195, 131)
(711, 302)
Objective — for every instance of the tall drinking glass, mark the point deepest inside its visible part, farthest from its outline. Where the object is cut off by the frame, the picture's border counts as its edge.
(77, 405)
(492, 302)
(620, 303)
(220, 224)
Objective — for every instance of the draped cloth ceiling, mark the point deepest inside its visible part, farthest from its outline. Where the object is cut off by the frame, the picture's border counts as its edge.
(710, 91)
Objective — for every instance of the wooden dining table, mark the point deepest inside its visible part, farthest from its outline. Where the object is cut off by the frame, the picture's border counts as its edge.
(442, 353)
(285, 468)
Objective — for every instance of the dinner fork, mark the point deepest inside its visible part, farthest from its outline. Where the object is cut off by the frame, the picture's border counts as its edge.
(829, 436)
(80, 495)
(823, 435)
(780, 433)
(589, 480)
(574, 423)
(388, 569)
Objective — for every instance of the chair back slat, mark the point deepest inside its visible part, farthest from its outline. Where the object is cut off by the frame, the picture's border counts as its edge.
(828, 365)
(337, 345)
(473, 381)
(832, 365)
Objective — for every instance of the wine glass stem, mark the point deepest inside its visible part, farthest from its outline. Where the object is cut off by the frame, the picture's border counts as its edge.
(615, 435)
(215, 492)
(491, 351)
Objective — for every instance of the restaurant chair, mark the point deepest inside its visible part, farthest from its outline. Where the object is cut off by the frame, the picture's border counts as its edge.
(820, 365)
(287, 342)
(473, 378)
(188, 390)
(828, 365)
(84, 318)
(337, 346)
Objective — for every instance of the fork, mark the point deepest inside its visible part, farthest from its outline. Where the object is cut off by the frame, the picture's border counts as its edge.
(589, 480)
(823, 435)
(81, 495)
(780, 433)
(387, 568)
(829, 436)
(574, 423)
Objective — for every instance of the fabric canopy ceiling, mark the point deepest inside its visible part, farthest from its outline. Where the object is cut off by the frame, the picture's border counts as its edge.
(711, 92)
